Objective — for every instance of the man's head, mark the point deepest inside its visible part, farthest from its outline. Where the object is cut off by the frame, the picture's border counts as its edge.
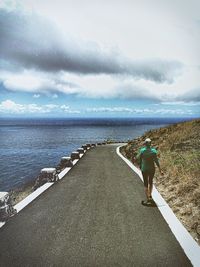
(148, 142)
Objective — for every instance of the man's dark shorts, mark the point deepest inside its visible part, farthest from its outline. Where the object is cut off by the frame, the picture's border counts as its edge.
(148, 177)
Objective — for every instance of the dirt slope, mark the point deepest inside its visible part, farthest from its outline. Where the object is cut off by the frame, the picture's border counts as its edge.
(179, 153)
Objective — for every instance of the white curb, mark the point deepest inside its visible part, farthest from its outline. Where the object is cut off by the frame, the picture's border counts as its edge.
(22, 204)
(190, 247)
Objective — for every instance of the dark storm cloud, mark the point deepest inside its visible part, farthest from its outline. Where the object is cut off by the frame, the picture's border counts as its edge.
(29, 42)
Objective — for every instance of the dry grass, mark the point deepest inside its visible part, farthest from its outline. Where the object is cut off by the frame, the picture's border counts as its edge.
(179, 153)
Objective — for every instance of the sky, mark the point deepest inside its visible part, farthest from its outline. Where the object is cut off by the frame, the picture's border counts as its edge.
(121, 58)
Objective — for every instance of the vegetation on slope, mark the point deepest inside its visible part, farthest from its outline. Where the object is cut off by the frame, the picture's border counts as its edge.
(179, 152)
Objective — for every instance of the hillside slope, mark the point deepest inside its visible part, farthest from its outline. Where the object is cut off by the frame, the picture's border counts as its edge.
(179, 154)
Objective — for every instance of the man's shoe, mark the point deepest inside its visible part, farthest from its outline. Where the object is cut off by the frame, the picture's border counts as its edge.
(146, 203)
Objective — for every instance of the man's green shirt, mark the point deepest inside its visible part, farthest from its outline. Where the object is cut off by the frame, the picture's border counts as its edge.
(147, 158)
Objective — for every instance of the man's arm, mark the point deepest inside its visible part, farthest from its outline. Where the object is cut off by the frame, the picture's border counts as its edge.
(139, 159)
(157, 163)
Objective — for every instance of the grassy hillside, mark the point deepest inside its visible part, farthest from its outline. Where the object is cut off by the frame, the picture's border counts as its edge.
(179, 153)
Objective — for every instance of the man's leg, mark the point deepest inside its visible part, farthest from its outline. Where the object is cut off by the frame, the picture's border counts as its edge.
(145, 179)
(150, 183)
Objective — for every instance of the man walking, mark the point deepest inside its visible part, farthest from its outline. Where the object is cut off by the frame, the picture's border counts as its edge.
(147, 158)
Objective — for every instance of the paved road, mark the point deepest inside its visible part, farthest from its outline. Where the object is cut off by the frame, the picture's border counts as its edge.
(93, 217)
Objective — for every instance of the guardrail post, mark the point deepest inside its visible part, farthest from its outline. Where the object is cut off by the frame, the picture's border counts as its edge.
(80, 150)
(75, 155)
(84, 147)
(88, 145)
(46, 175)
(64, 163)
(6, 207)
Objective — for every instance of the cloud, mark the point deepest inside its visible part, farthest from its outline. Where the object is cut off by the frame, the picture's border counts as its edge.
(36, 82)
(31, 42)
(140, 111)
(91, 86)
(128, 90)
(110, 109)
(102, 86)
(10, 107)
(64, 107)
(181, 103)
(190, 96)
(36, 95)
(54, 96)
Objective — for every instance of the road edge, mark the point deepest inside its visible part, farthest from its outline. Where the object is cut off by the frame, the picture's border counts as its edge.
(186, 241)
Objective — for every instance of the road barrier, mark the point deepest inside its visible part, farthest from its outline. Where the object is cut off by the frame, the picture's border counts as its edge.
(6, 207)
(75, 155)
(81, 150)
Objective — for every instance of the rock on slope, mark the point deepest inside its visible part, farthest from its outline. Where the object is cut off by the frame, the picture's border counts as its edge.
(179, 153)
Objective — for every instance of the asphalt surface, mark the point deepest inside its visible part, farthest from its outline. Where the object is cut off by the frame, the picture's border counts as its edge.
(92, 217)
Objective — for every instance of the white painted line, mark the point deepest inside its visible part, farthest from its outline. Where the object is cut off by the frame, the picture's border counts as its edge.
(2, 224)
(75, 161)
(64, 172)
(22, 204)
(190, 247)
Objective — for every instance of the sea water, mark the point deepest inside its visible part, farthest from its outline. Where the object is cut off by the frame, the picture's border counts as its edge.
(28, 145)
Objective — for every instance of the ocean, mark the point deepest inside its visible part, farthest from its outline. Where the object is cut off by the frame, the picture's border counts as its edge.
(28, 145)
